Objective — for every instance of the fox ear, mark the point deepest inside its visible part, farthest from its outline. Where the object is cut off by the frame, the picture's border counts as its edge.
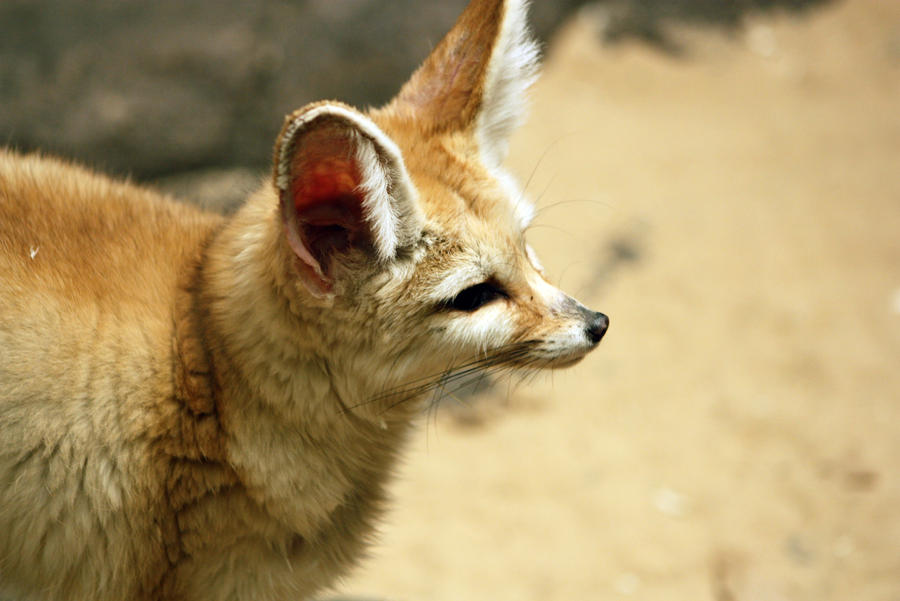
(342, 187)
(476, 78)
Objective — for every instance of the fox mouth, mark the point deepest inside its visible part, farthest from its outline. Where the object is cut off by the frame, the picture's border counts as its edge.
(564, 363)
(549, 362)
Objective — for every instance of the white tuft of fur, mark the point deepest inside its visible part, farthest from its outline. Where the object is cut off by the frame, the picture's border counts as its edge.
(488, 328)
(533, 259)
(379, 199)
(390, 200)
(522, 208)
(512, 69)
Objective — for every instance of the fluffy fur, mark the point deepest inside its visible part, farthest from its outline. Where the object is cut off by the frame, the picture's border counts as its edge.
(195, 408)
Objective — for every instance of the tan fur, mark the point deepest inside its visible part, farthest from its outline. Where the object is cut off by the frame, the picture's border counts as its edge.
(195, 408)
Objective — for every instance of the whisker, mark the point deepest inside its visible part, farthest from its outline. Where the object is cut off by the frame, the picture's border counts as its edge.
(523, 195)
(543, 193)
(451, 379)
(604, 204)
(516, 375)
(503, 354)
(544, 155)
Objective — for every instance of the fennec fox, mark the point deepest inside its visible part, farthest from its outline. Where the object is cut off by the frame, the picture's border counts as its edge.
(201, 408)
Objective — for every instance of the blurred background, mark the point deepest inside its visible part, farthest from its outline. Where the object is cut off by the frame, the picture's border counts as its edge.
(721, 178)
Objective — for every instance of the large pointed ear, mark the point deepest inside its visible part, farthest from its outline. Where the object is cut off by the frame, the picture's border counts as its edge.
(476, 78)
(342, 187)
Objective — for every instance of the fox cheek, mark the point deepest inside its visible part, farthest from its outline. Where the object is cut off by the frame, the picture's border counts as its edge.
(491, 327)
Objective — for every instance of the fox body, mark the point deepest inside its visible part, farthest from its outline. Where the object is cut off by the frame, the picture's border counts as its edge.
(195, 407)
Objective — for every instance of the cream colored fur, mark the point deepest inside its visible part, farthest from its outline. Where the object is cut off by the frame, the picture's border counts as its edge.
(513, 67)
(195, 408)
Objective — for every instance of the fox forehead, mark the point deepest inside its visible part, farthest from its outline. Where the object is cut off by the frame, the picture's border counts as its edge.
(452, 178)
(480, 233)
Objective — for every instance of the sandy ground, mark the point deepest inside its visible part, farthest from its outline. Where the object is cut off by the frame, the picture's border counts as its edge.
(736, 212)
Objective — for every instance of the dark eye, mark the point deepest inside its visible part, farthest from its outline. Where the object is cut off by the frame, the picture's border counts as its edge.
(474, 297)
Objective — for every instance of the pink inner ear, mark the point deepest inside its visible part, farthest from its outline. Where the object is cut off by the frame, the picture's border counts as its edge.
(327, 201)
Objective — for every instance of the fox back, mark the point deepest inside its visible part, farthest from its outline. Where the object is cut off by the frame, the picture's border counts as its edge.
(201, 408)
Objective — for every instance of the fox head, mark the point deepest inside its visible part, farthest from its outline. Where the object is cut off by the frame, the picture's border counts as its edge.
(404, 237)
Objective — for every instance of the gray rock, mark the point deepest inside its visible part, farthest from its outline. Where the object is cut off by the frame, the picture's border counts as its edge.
(218, 190)
(647, 20)
(153, 88)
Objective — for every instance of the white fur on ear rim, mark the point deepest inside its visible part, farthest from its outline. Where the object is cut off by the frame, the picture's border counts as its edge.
(512, 69)
(390, 203)
(379, 183)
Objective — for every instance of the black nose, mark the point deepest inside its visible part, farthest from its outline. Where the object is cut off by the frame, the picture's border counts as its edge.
(596, 327)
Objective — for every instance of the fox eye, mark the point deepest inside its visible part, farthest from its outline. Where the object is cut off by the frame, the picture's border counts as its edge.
(474, 297)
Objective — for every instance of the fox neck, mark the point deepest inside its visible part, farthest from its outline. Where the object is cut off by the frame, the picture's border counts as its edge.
(292, 402)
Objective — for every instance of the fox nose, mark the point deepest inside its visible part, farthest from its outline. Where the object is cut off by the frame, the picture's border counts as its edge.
(597, 324)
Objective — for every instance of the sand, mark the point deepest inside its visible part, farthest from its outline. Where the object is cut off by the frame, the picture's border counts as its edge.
(736, 213)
